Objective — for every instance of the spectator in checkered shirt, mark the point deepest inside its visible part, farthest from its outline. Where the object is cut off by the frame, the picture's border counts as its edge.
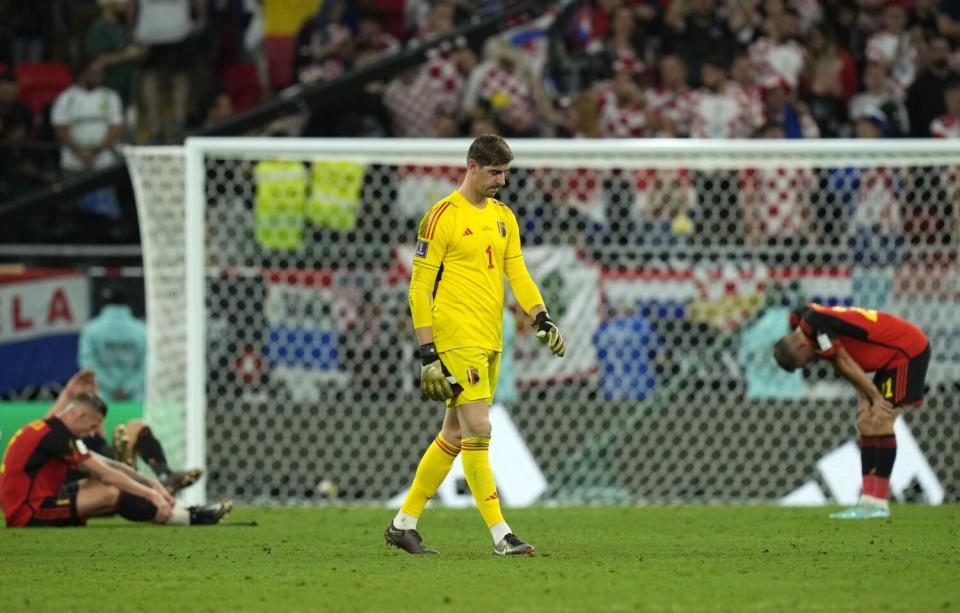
(779, 56)
(422, 101)
(624, 112)
(505, 84)
(775, 201)
(426, 101)
(718, 109)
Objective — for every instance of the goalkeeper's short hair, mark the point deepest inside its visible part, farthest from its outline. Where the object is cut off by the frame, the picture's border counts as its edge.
(489, 150)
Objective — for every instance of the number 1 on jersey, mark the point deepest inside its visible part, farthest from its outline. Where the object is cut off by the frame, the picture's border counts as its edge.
(887, 388)
(489, 256)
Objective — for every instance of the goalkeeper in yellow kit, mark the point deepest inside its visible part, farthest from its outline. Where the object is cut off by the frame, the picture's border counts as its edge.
(465, 245)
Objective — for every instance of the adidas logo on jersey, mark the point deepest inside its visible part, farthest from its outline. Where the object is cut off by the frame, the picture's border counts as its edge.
(468, 232)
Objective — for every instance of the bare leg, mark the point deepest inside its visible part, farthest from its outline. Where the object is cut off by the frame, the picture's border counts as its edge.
(95, 498)
(474, 418)
(450, 431)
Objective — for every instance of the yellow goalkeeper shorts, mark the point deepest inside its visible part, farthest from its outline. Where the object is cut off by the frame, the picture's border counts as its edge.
(476, 370)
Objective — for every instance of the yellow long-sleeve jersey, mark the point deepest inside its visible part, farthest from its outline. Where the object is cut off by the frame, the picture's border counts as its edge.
(469, 249)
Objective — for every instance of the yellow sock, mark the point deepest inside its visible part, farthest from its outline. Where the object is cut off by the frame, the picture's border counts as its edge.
(433, 469)
(476, 467)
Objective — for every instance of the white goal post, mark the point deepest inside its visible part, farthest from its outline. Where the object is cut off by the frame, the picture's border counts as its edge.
(637, 239)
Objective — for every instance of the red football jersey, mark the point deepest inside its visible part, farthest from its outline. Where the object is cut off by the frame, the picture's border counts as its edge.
(876, 340)
(35, 466)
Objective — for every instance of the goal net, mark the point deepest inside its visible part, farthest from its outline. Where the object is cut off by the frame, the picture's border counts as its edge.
(157, 174)
(282, 355)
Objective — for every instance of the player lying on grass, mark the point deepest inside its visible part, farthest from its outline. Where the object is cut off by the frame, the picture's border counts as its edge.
(856, 341)
(34, 489)
(129, 440)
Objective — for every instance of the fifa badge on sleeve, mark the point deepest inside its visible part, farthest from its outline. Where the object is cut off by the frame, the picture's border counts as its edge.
(422, 249)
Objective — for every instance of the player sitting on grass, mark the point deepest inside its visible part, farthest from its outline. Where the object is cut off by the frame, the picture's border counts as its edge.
(856, 340)
(34, 489)
(129, 440)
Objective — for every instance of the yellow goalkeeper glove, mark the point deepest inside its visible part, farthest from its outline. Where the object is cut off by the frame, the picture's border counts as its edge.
(549, 334)
(436, 383)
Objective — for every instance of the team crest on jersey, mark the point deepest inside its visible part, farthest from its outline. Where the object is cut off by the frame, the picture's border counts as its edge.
(503, 228)
(473, 375)
(422, 247)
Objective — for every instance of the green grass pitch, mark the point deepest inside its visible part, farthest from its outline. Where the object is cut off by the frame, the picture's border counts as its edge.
(661, 558)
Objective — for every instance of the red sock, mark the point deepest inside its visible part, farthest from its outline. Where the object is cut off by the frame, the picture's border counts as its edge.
(881, 487)
(869, 486)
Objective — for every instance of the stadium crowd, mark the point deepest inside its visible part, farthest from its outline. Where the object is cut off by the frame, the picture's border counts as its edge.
(149, 71)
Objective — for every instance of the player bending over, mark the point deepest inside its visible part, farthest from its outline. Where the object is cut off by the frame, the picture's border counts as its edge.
(857, 341)
(466, 243)
(34, 489)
